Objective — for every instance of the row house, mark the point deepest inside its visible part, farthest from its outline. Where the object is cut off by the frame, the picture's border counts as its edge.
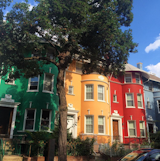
(127, 101)
(112, 108)
(28, 104)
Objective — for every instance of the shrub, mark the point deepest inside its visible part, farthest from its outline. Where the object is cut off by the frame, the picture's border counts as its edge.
(79, 147)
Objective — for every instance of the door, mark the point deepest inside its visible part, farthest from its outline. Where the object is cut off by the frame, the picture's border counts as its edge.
(115, 130)
(70, 124)
(150, 126)
(5, 121)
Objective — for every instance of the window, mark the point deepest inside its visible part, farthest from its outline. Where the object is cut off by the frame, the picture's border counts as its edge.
(100, 93)
(78, 67)
(132, 128)
(158, 105)
(154, 156)
(29, 119)
(11, 80)
(48, 82)
(148, 105)
(70, 90)
(129, 98)
(128, 78)
(101, 124)
(137, 78)
(89, 124)
(33, 84)
(89, 92)
(142, 128)
(150, 86)
(139, 100)
(45, 119)
(114, 98)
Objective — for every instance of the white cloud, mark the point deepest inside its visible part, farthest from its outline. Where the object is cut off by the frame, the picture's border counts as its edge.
(31, 6)
(153, 46)
(154, 69)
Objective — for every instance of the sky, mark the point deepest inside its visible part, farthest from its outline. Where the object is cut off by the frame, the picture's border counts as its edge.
(146, 32)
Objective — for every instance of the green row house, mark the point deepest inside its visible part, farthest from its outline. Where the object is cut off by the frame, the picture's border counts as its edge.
(28, 104)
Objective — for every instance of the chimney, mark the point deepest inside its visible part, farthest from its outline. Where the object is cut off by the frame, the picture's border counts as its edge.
(139, 65)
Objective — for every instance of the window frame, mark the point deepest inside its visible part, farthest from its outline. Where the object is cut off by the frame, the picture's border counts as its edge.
(103, 100)
(141, 100)
(158, 105)
(52, 88)
(142, 129)
(129, 128)
(50, 115)
(137, 74)
(9, 83)
(85, 125)
(104, 125)
(72, 90)
(125, 77)
(29, 84)
(115, 97)
(133, 101)
(86, 91)
(25, 118)
(148, 106)
(150, 86)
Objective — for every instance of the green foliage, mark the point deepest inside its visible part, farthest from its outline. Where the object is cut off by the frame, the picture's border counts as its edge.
(37, 141)
(79, 147)
(116, 149)
(77, 28)
(155, 140)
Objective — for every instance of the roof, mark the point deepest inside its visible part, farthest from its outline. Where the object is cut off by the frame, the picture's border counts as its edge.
(154, 78)
(131, 68)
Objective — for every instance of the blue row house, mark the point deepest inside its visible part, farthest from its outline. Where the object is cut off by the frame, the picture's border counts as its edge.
(152, 101)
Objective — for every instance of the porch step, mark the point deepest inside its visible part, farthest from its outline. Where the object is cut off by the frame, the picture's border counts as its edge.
(12, 158)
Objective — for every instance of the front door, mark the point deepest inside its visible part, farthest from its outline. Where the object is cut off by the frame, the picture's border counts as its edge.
(150, 126)
(115, 130)
(5, 121)
(70, 124)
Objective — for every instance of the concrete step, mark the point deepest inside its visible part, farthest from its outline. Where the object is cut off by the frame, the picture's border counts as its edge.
(12, 158)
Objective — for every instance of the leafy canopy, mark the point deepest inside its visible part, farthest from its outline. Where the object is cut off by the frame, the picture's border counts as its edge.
(82, 29)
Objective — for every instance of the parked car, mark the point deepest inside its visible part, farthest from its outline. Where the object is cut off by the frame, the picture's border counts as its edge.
(143, 155)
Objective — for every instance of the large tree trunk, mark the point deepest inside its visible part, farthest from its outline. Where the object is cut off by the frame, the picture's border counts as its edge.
(62, 141)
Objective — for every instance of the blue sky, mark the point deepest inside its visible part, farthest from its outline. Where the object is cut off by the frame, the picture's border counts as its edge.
(146, 32)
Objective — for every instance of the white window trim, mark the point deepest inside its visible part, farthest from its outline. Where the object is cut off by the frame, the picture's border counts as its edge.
(85, 124)
(125, 77)
(158, 106)
(9, 83)
(29, 82)
(135, 128)
(25, 116)
(85, 93)
(72, 90)
(139, 78)
(116, 98)
(142, 129)
(133, 101)
(149, 105)
(103, 125)
(50, 115)
(141, 101)
(103, 93)
(52, 83)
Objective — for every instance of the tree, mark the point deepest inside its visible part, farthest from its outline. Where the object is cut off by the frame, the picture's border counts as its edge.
(69, 29)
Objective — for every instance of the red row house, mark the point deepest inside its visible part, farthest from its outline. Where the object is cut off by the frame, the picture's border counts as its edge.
(128, 117)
